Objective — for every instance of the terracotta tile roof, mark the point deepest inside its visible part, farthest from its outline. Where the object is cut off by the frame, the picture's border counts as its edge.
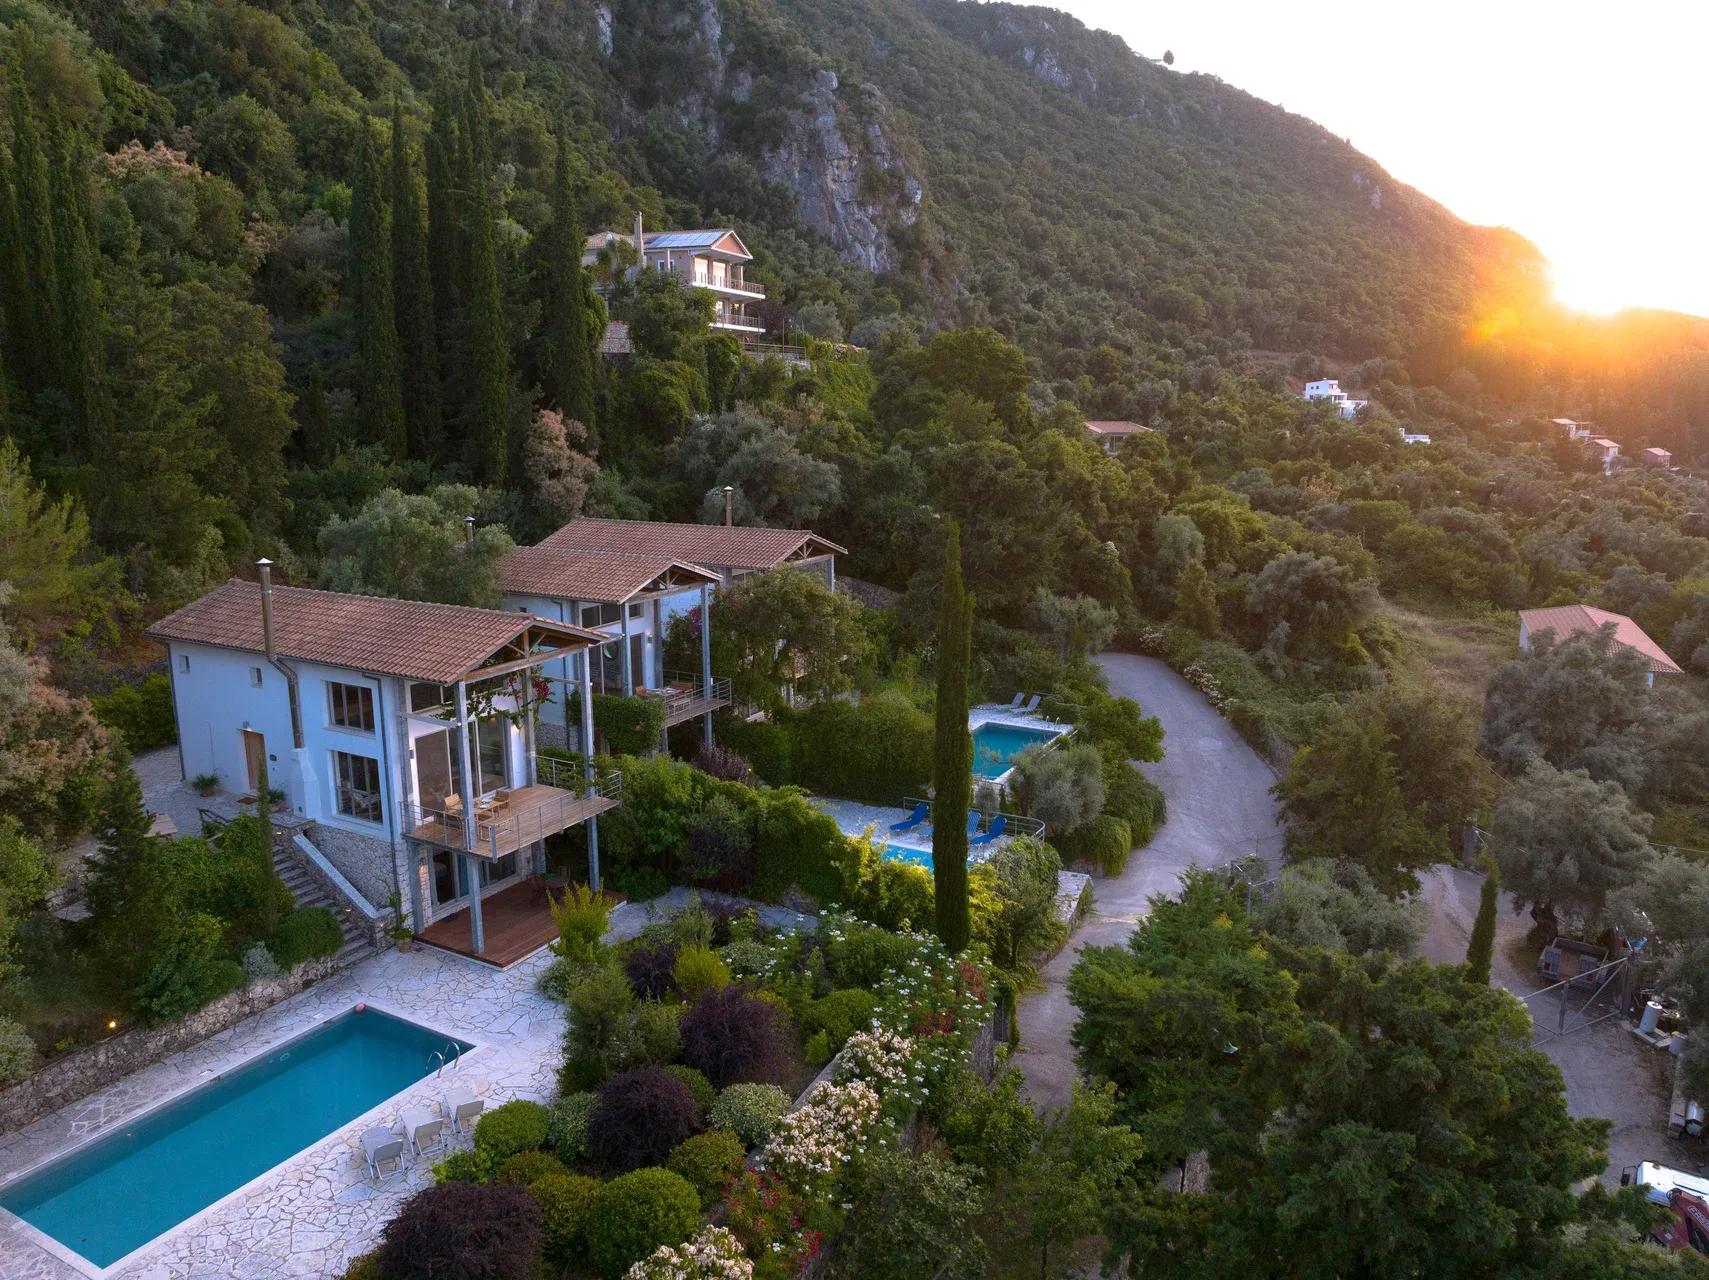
(1566, 619)
(713, 545)
(607, 577)
(1603, 442)
(1107, 427)
(409, 638)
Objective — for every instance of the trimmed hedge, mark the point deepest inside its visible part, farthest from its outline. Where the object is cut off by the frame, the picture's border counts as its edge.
(565, 1200)
(1105, 842)
(306, 934)
(877, 751)
(708, 1161)
(464, 1229)
(518, 1125)
(634, 1214)
(751, 1111)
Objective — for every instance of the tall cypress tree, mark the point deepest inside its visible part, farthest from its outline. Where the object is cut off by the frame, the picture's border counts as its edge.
(36, 350)
(318, 442)
(952, 771)
(412, 297)
(82, 355)
(379, 385)
(14, 273)
(568, 357)
(487, 429)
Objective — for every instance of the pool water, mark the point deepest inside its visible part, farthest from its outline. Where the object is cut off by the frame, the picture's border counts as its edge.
(995, 746)
(114, 1195)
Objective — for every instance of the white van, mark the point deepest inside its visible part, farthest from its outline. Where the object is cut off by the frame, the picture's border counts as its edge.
(1657, 1180)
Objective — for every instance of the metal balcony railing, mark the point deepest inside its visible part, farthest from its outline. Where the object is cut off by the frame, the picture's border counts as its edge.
(514, 818)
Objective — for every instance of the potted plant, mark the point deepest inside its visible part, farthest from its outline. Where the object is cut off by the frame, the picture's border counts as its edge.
(206, 783)
(399, 931)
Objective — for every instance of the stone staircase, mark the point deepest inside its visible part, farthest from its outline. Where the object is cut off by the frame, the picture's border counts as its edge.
(307, 891)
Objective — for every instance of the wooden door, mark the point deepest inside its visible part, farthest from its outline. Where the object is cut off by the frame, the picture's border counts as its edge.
(255, 755)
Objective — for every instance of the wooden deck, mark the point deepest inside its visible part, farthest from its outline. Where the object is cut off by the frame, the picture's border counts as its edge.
(680, 710)
(528, 815)
(516, 921)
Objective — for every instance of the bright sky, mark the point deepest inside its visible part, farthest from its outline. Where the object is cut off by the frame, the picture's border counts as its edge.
(1578, 124)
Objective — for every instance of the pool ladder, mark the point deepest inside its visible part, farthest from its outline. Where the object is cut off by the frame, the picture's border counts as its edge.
(456, 1059)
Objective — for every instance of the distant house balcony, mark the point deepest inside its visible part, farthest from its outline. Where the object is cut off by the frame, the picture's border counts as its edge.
(735, 287)
(686, 698)
(513, 818)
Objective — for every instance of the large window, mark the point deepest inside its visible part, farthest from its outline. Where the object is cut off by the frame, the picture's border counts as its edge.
(352, 706)
(439, 763)
(357, 779)
(429, 697)
(600, 615)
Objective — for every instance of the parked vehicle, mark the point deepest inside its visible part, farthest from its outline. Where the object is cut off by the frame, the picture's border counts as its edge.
(1685, 1194)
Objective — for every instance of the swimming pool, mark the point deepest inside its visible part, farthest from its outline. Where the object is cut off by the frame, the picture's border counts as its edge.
(112, 1196)
(995, 746)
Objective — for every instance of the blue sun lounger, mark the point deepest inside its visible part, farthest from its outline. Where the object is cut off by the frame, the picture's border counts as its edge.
(914, 819)
(973, 821)
(997, 825)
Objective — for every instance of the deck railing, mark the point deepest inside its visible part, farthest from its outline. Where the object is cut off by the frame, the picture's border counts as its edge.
(684, 694)
(562, 798)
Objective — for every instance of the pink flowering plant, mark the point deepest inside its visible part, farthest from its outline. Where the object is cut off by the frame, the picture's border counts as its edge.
(714, 1254)
(887, 1061)
(814, 1142)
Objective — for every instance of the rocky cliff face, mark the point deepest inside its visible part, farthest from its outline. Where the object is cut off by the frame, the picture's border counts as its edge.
(850, 177)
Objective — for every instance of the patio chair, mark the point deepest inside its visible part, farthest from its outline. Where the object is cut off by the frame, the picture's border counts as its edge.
(1031, 707)
(997, 825)
(914, 819)
(1019, 698)
(973, 820)
(424, 1130)
(380, 1145)
(463, 1107)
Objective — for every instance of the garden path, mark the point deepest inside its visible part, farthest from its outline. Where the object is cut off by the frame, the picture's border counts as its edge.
(1220, 810)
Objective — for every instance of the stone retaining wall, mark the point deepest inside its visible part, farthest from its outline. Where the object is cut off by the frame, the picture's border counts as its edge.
(80, 1073)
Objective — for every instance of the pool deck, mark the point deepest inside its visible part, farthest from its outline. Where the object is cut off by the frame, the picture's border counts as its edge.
(309, 1215)
(999, 713)
(855, 818)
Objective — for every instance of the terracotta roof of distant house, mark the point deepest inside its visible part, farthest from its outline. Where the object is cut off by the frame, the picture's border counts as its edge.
(1563, 422)
(1566, 619)
(1603, 442)
(1116, 428)
(606, 577)
(713, 545)
(1654, 452)
(409, 638)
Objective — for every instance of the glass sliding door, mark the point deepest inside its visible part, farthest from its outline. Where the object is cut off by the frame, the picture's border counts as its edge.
(439, 763)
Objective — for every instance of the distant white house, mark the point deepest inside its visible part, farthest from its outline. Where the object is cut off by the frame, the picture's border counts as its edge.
(1564, 620)
(1413, 437)
(1330, 389)
(1575, 430)
(1654, 457)
(1109, 435)
(1605, 451)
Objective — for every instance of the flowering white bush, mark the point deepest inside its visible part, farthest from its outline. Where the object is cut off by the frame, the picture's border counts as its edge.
(815, 1140)
(714, 1254)
(885, 1059)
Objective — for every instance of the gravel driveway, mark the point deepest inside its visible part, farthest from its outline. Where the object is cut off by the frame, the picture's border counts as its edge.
(1220, 809)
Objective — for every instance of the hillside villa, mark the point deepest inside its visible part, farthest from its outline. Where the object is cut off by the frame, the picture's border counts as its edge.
(709, 258)
(1329, 389)
(1604, 451)
(1661, 459)
(1565, 620)
(1575, 430)
(1111, 435)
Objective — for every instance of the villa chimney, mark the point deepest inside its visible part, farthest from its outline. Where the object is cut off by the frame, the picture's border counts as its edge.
(729, 505)
(264, 567)
(640, 245)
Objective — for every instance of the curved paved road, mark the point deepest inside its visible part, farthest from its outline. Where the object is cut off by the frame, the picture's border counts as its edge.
(1220, 809)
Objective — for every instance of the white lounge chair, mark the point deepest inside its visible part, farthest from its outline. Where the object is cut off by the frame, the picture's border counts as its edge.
(463, 1107)
(1019, 698)
(424, 1130)
(1031, 707)
(380, 1146)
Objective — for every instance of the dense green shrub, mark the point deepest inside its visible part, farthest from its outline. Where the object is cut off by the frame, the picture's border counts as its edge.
(708, 1161)
(796, 844)
(465, 1166)
(1135, 799)
(768, 748)
(750, 1111)
(566, 1131)
(140, 713)
(655, 1035)
(308, 933)
(464, 1231)
(564, 1199)
(526, 1167)
(629, 726)
(1104, 842)
(698, 970)
(861, 955)
(517, 1125)
(731, 1036)
(890, 893)
(838, 1016)
(639, 1117)
(190, 972)
(582, 916)
(636, 1213)
(878, 750)
(648, 968)
(17, 1052)
(364, 1266)
(698, 1085)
